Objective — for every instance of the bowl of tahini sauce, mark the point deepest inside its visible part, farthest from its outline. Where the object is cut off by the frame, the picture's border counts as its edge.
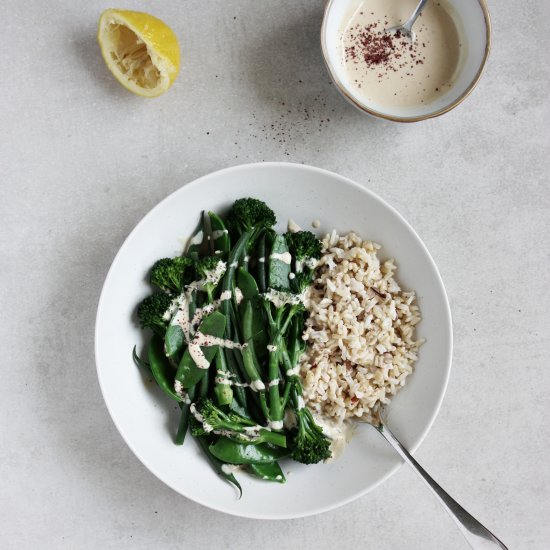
(387, 75)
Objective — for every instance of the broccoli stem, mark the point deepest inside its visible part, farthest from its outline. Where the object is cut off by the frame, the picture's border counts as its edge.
(225, 362)
(275, 404)
(222, 388)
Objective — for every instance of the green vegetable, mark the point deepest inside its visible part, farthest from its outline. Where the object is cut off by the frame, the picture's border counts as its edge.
(218, 464)
(161, 369)
(270, 471)
(241, 401)
(305, 247)
(173, 340)
(184, 417)
(279, 270)
(233, 426)
(139, 361)
(310, 445)
(188, 372)
(222, 243)
(222, 389)
(171, 274)
(152, 310)
(250, 216)
(197, 239)
(238, 453)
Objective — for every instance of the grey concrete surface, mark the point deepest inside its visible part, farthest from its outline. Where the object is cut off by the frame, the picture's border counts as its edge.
(82, 160)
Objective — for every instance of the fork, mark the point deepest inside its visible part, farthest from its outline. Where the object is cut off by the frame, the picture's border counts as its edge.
(478, 536)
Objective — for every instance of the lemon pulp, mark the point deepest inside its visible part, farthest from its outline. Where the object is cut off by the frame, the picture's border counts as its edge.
(140, 50)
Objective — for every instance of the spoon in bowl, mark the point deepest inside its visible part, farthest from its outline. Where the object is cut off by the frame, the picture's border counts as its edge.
(478, 536)
(405, 30)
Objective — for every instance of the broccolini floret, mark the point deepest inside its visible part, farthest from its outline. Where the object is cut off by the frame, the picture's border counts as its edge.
(172, 274)
(250, 215)
(310, 445)
(303, 245)
(210, 271)
(152, 312)
(305, 248)
(211, 419)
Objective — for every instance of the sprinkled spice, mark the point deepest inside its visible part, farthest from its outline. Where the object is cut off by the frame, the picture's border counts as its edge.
(372, 47)
(388, 69)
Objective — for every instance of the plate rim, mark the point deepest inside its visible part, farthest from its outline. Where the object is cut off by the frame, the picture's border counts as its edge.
(447, 366)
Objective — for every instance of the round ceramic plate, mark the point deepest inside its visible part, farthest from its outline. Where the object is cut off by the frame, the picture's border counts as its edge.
(147, 419)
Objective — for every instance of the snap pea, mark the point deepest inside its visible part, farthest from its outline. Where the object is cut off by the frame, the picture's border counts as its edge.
(188, 372)
(184, 417)
(139, 361)
(270, 471)
(161, 369)
(217, 464)
(173, 340)
(222, 389)
(260, 264)
(220, 244)
(278, 269)
(250, 292)
(241, 453)
(233, 368)
(197, 239)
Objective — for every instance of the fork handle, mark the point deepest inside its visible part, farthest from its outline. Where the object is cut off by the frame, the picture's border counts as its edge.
(478, 536)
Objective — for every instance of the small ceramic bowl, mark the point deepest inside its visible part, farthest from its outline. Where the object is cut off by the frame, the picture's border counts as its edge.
(471, 16)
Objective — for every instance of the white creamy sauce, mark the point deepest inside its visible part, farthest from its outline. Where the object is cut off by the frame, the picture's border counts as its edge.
(178, 388)
(262, 259)
(234, 264)
(293, 227)
(291, 276)
(181, 317)
(238, 295)
(225, 295)
(279, 298)
(219, 233)
(338, 433)
(290, 421)
(252, 431)
(294, 371)
(387, 69)
(168, 314)
(228, 469)
(197, 239)
(198, 355)
(276, 424)
(284, 257)
(200, 418)
(300, 405)
(257, 385)
(212, 277)
(271, 348)
(274, 382)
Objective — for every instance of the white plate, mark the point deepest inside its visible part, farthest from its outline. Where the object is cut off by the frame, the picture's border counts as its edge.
(146, 419)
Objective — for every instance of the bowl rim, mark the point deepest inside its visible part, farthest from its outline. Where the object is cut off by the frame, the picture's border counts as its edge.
(448, 360)
(342, 89)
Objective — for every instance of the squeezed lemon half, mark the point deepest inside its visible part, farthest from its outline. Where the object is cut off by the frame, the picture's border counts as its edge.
(140, 50)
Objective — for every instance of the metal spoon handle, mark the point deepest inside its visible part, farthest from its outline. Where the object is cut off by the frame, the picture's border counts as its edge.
(478, 536)
(414, 15)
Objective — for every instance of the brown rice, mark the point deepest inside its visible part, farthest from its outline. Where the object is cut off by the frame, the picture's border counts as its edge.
(360, 332)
